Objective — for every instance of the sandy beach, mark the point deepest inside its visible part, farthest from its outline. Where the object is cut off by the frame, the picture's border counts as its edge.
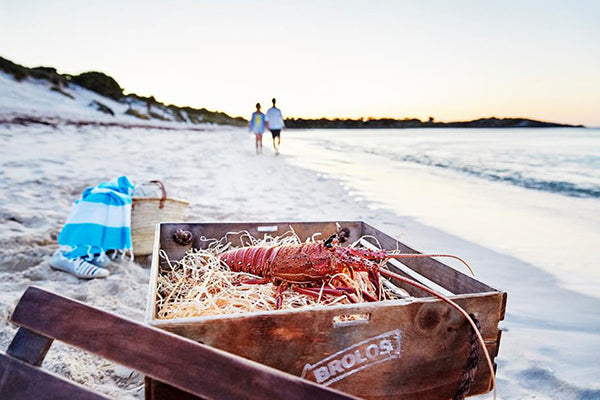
(468, 129)
(44, 169)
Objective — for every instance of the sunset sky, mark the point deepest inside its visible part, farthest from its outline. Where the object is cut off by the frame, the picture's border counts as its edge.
(452, 60)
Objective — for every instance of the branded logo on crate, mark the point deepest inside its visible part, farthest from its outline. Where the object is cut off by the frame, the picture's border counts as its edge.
(354, 358)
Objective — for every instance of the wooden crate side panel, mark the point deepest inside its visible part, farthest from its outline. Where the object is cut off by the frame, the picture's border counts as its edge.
(150, 313)
(433, 344)
(438, 272)
(203, 231)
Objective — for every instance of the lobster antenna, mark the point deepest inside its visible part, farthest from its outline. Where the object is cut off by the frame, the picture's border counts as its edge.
(408, 255)
(456, 307)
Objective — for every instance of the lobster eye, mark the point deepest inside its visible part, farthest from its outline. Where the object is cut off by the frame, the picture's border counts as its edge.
(329, 242)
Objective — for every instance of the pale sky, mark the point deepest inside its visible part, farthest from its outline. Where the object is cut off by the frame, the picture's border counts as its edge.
(451, 60)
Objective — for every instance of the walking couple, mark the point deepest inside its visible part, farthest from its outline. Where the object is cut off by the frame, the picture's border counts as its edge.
(273, 120)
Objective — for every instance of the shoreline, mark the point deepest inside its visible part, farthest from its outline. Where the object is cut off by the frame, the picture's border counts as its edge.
(441, 179)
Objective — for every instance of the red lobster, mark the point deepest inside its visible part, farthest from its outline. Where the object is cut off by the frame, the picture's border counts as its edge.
(310, 264)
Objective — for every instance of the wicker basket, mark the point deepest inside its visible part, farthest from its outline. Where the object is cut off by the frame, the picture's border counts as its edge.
(146, 213)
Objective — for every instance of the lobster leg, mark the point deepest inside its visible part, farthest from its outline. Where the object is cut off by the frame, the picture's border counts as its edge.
(317, 293)
(374, 278)
(364, 293)
(307, 292)
(279, 298)
(257, 281)
(368, 296)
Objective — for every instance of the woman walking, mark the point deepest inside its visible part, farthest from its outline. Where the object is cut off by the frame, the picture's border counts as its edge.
(257, 126)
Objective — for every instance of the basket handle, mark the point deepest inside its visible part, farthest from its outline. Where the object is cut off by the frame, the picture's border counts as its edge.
(164, 193)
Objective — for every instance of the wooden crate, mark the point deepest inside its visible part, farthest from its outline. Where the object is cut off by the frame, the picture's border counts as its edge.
(402, 349)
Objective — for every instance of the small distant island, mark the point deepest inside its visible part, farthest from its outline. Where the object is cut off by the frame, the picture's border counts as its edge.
(390, 123)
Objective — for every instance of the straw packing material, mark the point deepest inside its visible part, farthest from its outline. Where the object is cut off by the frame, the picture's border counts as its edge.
(200, 285)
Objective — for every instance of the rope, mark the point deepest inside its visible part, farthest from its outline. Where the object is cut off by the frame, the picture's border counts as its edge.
(458, 308)
(470, 369)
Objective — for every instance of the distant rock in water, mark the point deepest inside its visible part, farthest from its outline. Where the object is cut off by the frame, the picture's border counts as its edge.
(390, 123)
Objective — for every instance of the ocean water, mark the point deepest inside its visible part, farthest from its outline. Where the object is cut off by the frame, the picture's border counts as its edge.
(530, 193)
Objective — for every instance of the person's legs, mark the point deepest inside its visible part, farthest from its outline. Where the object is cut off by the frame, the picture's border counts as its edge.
(276, 140)
(258, 143)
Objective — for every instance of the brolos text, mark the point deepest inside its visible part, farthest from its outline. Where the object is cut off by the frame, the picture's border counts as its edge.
(355, 358)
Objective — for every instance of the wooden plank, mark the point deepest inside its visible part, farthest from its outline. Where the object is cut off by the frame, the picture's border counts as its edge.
(21, 381)
(434, 342)
(29, 346)
(148, 389)
(201, 231)
(440, 273)
(162, 391)
(180, 362)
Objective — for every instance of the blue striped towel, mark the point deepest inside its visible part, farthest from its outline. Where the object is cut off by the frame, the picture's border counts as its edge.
(99, 221)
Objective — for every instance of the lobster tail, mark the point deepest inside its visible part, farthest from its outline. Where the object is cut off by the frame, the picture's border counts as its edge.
(252, 260)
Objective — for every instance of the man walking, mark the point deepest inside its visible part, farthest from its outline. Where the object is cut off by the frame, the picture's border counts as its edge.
(274, 121)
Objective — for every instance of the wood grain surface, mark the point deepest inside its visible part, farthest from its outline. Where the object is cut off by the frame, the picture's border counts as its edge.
(180, 362)
(21, 381)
